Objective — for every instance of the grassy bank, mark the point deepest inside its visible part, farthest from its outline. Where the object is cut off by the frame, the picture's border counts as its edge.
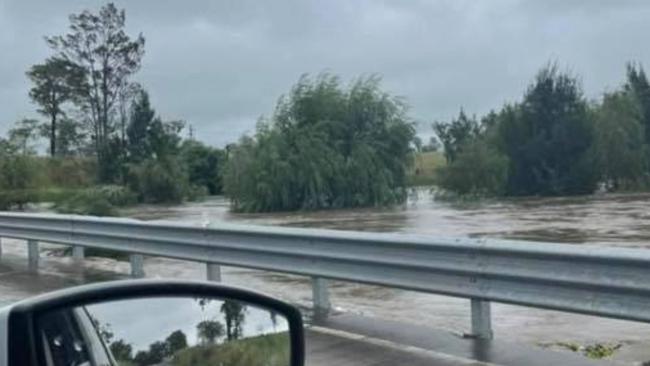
(425, 165)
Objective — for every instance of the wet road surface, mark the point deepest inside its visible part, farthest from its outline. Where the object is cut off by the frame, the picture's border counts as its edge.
(343, 340)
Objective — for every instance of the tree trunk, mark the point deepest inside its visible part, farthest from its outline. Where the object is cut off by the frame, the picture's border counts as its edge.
(53, 136)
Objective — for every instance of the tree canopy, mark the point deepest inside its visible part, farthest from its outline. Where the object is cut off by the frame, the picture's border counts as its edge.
(325, 146)
(56, 82)
(553, 140)
(99, 44)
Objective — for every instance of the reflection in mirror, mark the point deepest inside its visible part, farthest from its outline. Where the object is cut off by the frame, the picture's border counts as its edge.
(176, 331)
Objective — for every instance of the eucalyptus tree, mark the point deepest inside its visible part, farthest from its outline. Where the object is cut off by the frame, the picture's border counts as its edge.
(56, 82)
(99, 44)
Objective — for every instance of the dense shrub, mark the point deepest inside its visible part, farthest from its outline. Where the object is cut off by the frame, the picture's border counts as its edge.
(17, 199)
(19, 176)
(156, 181)
(97, 201)
(86, 202)
(70, 171)
(195, 193)
(478, 170)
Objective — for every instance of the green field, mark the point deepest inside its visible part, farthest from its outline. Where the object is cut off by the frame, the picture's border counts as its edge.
(267, 350)
(424, 168)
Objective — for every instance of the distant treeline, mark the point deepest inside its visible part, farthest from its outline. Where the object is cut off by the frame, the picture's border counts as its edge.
(552, 142)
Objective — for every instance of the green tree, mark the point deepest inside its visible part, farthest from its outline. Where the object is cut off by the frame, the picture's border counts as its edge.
(56, 82)
(155, 169)
(478, 170)
(24, 135)
(18, 173)
(176, 341)
(234, 313)
(147, 135)
(126, 97)
(325, 146)
(204, 165)
(154, 355)
(547, 138)
(70, 137)
(158, 351)
(620, 150)
(456, 134)
(638, 85)
(165, 139)
(208, 331)
(158, 181)
(138, 130)
(98, 43)
(121, 350)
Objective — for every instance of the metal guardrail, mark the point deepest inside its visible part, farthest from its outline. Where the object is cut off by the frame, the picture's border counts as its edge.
(602, 281)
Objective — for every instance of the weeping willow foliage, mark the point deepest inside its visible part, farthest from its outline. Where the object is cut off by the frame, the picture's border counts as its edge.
(325, 146)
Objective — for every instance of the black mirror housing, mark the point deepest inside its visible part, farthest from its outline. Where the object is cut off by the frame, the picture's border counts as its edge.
(21, 340)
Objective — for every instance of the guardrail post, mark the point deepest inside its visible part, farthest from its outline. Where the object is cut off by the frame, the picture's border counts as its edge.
(213, 272)
(32, 255)
(77, 253)
(137, 265)
(321, 297)
(481, 319)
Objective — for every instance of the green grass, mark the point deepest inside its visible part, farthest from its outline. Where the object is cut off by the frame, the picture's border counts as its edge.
(267, 350)
(425, 165)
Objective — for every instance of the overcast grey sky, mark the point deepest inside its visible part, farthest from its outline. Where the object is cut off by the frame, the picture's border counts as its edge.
(219, 65)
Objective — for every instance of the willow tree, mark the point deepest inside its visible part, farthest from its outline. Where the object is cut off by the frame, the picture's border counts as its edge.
(325, 146)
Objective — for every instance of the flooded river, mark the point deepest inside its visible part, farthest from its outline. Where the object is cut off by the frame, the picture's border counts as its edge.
(614, 220)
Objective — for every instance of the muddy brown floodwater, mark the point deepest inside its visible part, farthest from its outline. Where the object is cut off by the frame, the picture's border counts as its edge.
(608, 220)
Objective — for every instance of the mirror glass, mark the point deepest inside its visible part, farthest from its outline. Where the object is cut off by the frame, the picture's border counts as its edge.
(175, 331)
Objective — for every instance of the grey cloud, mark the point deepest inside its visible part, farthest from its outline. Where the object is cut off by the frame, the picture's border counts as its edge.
(221, 64)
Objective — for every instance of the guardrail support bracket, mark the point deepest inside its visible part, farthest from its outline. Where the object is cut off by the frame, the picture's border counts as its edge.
(77, 253)
(481, 319)
(137, 265)
(321, 297)
(213, 272)
(32, 255)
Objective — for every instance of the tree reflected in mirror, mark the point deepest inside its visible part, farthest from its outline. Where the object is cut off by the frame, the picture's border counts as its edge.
(176, 331)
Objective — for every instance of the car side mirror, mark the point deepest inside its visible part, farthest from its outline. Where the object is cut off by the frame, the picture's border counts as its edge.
(151, 322)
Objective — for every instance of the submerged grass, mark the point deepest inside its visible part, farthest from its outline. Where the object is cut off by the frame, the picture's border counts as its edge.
(594, 351)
